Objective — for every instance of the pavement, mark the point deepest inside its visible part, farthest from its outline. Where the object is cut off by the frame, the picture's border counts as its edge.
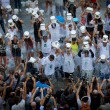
(26, 26)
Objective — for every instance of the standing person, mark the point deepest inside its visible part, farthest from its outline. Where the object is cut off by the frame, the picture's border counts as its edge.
(48, 3)
(16, 50)
(12, 29)
(2, 50)
(107, 24)
(87, 56)
(68, 59)
(18, 22)
(49, 66)
(45, 37)
(2, 20)
(54, 29)
(36, 24)
(29, 44)
(104, 46)
(18, 4)
(59, 7)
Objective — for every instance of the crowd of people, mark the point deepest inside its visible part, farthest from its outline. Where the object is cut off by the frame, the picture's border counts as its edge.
(72, 48)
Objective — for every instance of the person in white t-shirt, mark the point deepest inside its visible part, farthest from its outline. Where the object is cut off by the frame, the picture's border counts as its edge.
(45, 42)
(104, 46)
(49, 66)
(54, 29)
(87, 57)
(104, 65)
(68, 62)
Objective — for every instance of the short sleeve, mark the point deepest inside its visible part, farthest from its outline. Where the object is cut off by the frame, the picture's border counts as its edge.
(79, 102)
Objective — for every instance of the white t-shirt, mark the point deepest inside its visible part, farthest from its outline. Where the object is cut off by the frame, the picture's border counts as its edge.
(49, 66)
(55, 33)
(14, 32)
(46, 46)
(68, 65)
(20, 106)
(87, 63)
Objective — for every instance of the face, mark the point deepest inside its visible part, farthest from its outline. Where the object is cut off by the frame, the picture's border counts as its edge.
(104, 44)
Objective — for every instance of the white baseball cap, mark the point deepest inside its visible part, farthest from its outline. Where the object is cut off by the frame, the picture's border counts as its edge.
(73, 33)
(69, 16)
(8, 7)
(42, 27)
(42, 12)
(86, 47)
(97, 15)
(32, 60)
(26, 34)
(9, 36)
(15, 17)
(56, 44)
(0, 35)
(105, 38)
(83, 29)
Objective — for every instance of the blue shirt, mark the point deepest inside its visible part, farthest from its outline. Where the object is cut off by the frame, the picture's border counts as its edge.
(41, 85)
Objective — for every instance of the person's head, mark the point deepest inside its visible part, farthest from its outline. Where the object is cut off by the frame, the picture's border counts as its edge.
(84, 99)
(40, 54)
(51, 57)
(94, 5)
(86, 53)
(74, 40)
(70, 27)
(33, 105)
(43, 79)
(15, 38)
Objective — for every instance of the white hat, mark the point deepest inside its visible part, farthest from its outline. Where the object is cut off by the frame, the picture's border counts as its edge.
(73, 33)
(86, 38)
(10, 23)
(69, 16)
(95, 91)
(32, 60)
(97, 15)
(53, 19)
(68, 45)
(42, 27)
(26, 34)
(83, 29)
(89, 9)
(109, 6)
(105, 38)
(23, 4)
(15, 17)
(0, 35)
(56, 44)
(103, 57)
(8, 35)
(85, 43)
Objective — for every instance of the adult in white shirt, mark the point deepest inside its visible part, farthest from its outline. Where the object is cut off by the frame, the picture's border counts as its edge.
(45, 42)
(68, 61)
(104, 46)
(87, 57)
(54, 29)
(49, 66)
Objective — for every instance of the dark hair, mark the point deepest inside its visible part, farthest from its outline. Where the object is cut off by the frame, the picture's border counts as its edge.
(16, 99)
(52, 57)
(89, 18)
(41, 54)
